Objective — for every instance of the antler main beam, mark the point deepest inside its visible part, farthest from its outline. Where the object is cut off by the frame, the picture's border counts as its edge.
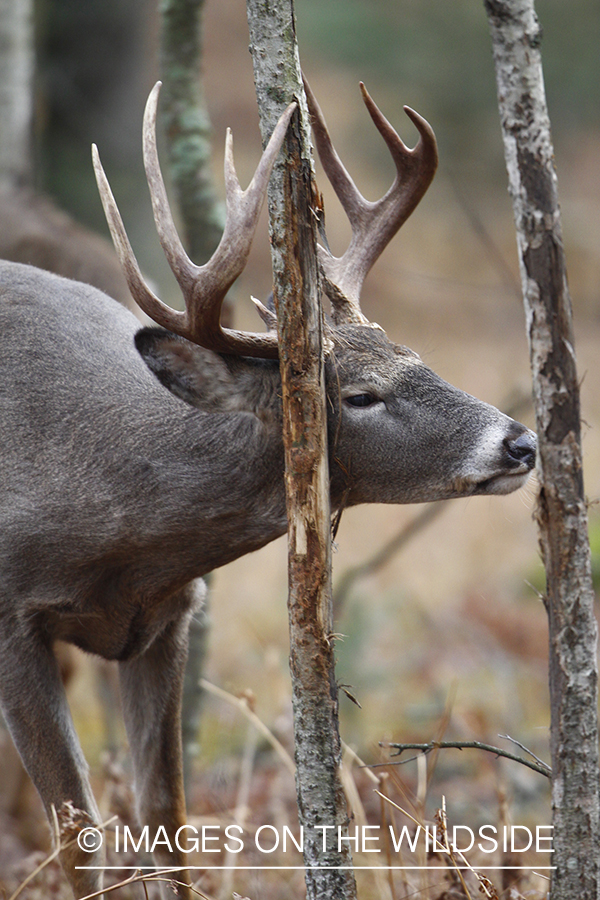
(203, 287)
(373, 224)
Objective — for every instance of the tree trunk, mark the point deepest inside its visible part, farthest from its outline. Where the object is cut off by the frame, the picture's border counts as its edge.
(187, 126)
(561, 514)
(17, 62)
(292, 198)
(188, 140)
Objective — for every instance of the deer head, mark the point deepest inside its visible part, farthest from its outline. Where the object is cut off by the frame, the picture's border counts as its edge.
(458, 446)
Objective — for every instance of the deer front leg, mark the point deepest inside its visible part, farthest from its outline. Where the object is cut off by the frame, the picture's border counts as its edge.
(35, 708)
(151, 688)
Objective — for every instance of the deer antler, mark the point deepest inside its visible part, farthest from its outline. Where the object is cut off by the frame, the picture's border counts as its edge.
(373, 224)
(203, 287)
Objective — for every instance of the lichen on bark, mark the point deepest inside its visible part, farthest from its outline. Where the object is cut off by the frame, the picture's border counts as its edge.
(562, 508)
(187, 126)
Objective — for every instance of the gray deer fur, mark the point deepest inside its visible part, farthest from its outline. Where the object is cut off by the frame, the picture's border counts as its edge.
(134, 462)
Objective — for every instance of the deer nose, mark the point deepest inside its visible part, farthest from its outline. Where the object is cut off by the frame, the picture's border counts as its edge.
(522, 448)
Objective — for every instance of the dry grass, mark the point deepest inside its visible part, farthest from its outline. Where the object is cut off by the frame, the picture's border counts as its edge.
(396, 809)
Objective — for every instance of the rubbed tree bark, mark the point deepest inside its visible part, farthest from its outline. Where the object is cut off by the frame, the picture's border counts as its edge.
(292, 200)
(561, 514)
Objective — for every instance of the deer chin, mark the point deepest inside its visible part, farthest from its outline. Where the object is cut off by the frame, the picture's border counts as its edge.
(504, 483)
(498, 484)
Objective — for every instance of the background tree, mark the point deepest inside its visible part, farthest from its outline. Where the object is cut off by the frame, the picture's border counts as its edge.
(16, 78)
(187, 130)
(562, 505)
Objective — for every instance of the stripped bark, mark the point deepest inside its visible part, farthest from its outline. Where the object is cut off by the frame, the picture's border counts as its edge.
(562, 513)
(292, 201)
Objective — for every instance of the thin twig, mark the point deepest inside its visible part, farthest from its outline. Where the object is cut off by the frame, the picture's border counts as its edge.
(46, 861)
(427, 747)
(240, 813)
(59, 847)
(242, 705)
(507, 737)
(447, 848)
(360, 817)
(139, 877)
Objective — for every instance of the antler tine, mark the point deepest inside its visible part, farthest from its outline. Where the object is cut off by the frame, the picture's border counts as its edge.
(141, 293)
(183, 268)
(335, 170)
(203, 287)
(242, 212)
(373, 224)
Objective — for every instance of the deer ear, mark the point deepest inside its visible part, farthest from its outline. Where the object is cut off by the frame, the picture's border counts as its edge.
(198, 376)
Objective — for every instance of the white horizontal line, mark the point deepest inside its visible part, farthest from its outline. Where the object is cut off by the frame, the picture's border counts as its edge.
(299, 868)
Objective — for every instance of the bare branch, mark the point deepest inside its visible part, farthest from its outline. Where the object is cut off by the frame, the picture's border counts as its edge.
(428, 746)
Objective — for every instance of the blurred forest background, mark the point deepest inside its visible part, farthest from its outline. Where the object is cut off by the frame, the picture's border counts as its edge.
(448, 639)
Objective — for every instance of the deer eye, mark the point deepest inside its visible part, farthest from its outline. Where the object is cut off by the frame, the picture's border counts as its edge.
(361, 400)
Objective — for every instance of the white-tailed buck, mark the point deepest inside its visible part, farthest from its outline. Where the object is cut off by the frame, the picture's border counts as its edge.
(134, 461)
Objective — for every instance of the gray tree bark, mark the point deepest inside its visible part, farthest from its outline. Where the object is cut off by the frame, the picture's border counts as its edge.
(188, 141)
(17, 63)
(292, 199)
(187, 126)
(562, 512)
